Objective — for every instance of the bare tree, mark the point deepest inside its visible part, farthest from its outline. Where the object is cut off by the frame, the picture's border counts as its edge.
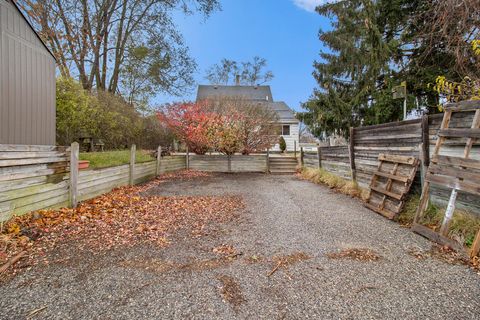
(250, 72)
(452, 26)
(93, 38)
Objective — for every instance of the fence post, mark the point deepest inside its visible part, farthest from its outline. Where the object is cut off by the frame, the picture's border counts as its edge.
(319, 155)
(159, 159)
(422, 164)
(72, 194)
(301, 156)
(187, 159)
(425, 141)
(352, 154)
(133, 150)
(268, 160)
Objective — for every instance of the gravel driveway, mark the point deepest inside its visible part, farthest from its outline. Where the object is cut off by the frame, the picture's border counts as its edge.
(285, 220)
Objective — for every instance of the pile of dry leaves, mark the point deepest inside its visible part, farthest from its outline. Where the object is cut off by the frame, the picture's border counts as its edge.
(119, 218)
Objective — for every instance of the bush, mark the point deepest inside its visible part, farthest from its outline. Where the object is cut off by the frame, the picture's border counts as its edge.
(282, 144)
(104, 116)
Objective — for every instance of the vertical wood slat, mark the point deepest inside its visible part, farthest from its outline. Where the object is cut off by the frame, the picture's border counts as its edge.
(131, 176)
(319, 155)
(159, 159)
(425, 146)
(268, 160)
(352, 154)
(73, 187)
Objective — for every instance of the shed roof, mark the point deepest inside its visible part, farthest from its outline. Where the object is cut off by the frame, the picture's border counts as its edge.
(256, 93)
(31, 27)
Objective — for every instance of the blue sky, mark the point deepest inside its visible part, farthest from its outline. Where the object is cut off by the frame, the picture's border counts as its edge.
(285, 32)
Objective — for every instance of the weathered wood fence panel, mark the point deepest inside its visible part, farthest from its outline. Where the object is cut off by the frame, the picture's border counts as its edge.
(213, 163)
(220, 163)
(32, 178)
(248, 163)
(397, 138)
(453, 147)
(172, 163)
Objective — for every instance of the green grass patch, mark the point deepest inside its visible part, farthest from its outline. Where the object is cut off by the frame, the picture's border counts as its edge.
(114, 158)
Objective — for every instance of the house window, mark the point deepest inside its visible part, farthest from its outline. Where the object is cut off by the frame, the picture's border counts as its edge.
(286, 130)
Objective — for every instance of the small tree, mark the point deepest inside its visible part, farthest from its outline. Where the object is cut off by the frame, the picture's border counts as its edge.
(190, 122)
(282, 144)
(255, 122)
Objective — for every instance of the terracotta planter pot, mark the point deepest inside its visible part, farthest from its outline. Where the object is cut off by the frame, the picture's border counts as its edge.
(83, 164)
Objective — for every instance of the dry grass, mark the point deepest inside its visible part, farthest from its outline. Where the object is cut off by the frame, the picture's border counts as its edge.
(321, 176)
(463, 227)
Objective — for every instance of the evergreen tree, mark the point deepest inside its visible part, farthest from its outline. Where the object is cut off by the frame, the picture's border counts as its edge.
(373, 46)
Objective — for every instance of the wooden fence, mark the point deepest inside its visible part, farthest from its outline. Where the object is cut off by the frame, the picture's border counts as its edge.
(31, 178)
(223, 163)
(408, 138)
(39, 177)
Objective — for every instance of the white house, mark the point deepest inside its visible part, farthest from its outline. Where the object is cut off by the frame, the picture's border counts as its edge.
(289, 125)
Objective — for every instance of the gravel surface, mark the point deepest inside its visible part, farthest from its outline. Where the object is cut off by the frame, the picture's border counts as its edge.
(285, 219)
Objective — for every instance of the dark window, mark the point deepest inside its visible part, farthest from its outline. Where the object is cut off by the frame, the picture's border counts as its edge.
(286, 130)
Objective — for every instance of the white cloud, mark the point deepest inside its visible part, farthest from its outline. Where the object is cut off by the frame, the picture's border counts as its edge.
(309, 5)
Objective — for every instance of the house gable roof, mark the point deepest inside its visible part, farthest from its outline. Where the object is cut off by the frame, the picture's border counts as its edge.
(285, 114)
(31, 27)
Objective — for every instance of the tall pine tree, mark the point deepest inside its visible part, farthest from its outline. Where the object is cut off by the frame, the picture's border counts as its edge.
(372, 47)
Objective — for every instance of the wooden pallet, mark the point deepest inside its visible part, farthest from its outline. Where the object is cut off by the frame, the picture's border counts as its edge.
(391, 183)
(455, 173)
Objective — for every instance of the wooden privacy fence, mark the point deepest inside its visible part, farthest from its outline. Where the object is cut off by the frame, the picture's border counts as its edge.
(40, 177)
(359, 160)
(224, 163)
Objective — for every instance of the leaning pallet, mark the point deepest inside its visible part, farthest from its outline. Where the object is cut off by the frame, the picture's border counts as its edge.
(455, 173)
(391, 183)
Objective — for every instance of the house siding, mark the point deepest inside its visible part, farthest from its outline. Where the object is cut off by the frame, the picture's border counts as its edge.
(27, 83)
(290, 139)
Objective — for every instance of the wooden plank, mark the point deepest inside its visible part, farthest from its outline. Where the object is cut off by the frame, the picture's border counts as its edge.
(436, 237)
(27, 148)
(33, 190)
(392, 176)
(459, 133)
(22, 162)
(73, 191)
(425, 141)
(132, 164)
(387, 193)
(456, 161)
(454, 172)
(384, 212)
(387, 125)
(352, 154)
(159, 160)
(397, 159)
(454, 183)
(469, 105)
(7, 155)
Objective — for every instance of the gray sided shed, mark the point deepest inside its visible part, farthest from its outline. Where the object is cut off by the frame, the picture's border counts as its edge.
(27, 82)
